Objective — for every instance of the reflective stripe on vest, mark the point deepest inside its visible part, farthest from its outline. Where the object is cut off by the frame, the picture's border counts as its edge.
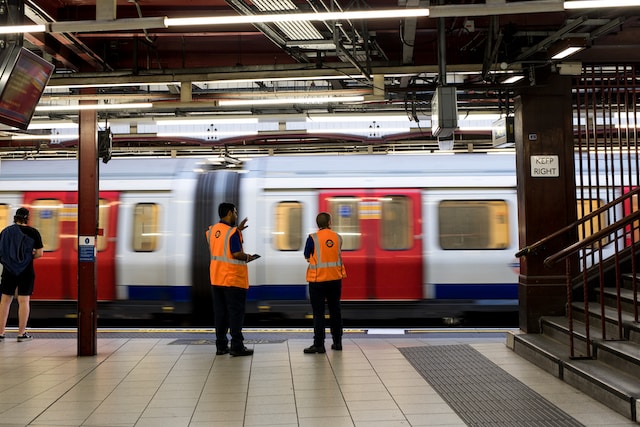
(224, 270)
(318, 255)
(225, 250)
(325, 263)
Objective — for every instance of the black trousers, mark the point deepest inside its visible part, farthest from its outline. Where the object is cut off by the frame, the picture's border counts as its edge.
(329, 292)
(228, 310)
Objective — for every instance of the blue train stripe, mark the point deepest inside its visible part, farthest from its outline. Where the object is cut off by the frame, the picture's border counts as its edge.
(160, 293)
(477, 291)
(277, 292)
(299, 292)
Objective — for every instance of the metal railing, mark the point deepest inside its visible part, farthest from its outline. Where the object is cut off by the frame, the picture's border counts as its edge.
(622, 236)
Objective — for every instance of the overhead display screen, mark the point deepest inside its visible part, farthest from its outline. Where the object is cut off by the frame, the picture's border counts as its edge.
(23, 78)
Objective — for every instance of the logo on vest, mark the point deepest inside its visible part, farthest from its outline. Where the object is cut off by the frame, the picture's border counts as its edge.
(217, 233)
(329, 243)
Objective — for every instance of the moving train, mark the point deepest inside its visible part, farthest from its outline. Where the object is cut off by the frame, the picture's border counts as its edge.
(424, 236)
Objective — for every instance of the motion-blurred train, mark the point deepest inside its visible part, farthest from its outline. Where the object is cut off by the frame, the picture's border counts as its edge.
(424, 236)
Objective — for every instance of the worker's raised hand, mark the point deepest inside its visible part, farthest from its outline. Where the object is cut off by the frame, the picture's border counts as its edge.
(243, 224)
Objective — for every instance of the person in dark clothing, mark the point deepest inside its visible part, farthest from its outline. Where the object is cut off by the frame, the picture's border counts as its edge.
(22, 281)
(323, 252)
(229, 280)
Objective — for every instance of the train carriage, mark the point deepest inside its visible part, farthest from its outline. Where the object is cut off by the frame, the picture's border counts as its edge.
(425, 236)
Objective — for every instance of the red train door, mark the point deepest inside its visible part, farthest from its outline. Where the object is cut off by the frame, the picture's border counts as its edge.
(55, 215)
(382, 244)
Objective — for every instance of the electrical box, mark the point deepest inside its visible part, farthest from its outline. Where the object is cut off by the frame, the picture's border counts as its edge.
(503, 133)
(105, 141)
(444, 111)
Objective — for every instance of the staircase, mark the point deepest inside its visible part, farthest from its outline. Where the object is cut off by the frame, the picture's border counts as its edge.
(611, 374)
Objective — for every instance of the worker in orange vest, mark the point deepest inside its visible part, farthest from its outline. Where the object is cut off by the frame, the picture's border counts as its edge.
(324, 274)
(229, 280)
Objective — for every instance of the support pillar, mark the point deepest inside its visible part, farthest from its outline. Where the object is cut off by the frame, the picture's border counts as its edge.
(546, 193)
(87, 232)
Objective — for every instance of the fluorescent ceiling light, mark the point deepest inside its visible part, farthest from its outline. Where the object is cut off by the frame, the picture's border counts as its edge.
(372, 130)
(203, 121)
(314, 118)
(77, 107)
(15, 29)
(284, 79)
(208, 134)
(301, 100)
(567, 52)
(512, 79)
(294, 17)
(48, 137)
(591, 4)
(86, 85)
(52, 125)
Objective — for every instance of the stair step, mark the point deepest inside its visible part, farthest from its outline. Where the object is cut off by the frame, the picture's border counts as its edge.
(542, 351)
(626, 298)
(627, 280)
(610, 386)
(631, 330)
(557, 327)
(613, 387)
(623, 355)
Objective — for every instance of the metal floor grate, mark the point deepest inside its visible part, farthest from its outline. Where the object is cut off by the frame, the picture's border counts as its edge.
(480, 392)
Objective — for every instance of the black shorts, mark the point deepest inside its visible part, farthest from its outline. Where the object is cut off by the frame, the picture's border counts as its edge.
(22, 282)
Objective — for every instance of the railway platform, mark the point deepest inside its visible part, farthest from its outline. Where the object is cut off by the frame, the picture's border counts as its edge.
(382, 377)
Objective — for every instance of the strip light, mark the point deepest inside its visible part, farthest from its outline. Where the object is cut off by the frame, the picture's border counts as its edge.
(204, 134)
(305, 100)
(295, 17)
(16, 29)
(204, 121)
(567, 52)
(591, 4)
(94, 107)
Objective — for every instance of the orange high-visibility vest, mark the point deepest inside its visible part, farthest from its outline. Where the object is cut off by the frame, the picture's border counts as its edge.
(325, 263)
(224, 269)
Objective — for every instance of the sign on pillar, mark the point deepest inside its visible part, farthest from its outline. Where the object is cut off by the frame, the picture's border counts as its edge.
(86, 248)
(545, 166)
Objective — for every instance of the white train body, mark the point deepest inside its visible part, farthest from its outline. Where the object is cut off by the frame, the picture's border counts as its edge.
(153, 258)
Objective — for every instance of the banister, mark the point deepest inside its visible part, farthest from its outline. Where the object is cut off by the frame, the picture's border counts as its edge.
(575, 247)
(531, 248)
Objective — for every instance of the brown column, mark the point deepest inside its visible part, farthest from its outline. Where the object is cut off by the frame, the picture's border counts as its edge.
(546, 193)
(87, 232)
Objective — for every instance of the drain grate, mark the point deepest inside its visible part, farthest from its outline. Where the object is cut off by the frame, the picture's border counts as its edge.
(480, 392)
(213, 342)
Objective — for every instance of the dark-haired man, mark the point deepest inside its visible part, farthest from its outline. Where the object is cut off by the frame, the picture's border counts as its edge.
(323, 252)
(229, 280)
(20, 244)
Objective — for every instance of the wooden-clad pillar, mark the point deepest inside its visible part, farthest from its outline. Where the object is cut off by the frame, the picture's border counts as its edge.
(546, 193)
(87, 232)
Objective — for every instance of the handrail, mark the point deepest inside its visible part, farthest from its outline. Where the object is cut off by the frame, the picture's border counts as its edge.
(529, 249)
(571, 249)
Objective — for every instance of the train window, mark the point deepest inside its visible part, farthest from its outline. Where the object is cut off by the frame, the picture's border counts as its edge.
(46, 215)
(4, 216)
(146, 223)
(473, 224)
(288, 230)
(396, 223)
(597, 223)
(345, 221)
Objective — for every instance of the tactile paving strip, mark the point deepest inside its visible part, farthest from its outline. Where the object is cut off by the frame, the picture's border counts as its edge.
(480, 392)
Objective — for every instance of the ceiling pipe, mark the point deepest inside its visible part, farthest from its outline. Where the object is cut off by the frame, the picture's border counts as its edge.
(442, 53)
